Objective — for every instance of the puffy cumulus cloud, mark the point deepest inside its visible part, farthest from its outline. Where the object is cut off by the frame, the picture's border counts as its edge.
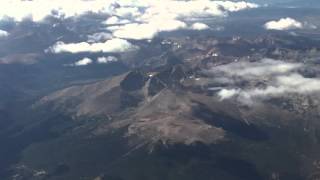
(39, 9)
(196, 8)
(114, 20)
(283, 24)
(236, 6)
(167, 15)
(141, 9)
(147, 30)
(129, 19)
(135, 31)
(278, 78)
(113, 45)
(199, 26)
(83, 62)
(105, 60)
(3, 33)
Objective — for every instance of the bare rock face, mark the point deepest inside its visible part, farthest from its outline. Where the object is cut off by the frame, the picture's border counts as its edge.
(167, 118)
(168, 130)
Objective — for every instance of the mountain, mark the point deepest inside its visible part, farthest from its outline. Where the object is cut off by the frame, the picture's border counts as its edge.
(167, 121)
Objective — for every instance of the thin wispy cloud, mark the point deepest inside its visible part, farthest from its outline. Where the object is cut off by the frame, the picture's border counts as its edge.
(265, 67)
(279, 78)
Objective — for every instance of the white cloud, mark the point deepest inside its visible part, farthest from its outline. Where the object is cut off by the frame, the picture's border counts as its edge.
(278, 78)
(150, 16)
(196, 8)
(281, 86)
(265, 67)
(114, 20)
(227, 93)
(284, 24)
(113, 45)
(236, 6)
(147, 30)
(128, 12)
(293, 83)
(83, 62)
(199, 26)
(170, 15)
(3, 33)
(39, 9)
(108, 59)
(136, 31)
(98, 37)
(129, 19)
